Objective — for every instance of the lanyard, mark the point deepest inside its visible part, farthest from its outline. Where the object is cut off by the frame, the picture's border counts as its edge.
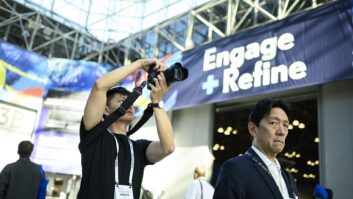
(117, 161)
(264, 167)
(201, 189)
(253, 158)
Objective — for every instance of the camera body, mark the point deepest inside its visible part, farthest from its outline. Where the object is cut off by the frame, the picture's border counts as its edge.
(174, 73)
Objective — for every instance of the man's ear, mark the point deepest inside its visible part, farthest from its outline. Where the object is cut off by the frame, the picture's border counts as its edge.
(106, 111)
(252, 129)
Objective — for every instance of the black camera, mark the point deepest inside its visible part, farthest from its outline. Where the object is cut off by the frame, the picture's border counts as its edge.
(174, 73)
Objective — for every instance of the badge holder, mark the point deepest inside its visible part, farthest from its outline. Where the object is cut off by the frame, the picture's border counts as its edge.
(123, 191)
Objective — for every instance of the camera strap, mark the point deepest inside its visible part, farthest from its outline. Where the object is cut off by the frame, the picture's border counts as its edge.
(147, 113)
(121, 110)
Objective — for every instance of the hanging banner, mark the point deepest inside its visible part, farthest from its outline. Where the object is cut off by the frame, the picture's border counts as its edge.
(72, 75)
(306, 49)
(22, 76)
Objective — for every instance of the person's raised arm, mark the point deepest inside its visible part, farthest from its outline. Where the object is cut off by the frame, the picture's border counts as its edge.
(96, 102)
(165, 146)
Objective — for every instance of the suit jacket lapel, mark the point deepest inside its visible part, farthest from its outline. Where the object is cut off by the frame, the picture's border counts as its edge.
(287, 181)
(264, 172)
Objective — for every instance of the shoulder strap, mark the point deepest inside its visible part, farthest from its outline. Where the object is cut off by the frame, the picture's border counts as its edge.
(147, 113)
(121, 110)
(201, 189)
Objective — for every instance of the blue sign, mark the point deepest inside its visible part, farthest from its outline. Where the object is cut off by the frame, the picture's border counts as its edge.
(310, 48)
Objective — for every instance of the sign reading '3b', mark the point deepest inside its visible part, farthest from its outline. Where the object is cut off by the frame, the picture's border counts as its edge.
(16, 119)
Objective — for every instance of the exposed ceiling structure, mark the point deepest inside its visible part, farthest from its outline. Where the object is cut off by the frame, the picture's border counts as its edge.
(111, 20)
(116, 32)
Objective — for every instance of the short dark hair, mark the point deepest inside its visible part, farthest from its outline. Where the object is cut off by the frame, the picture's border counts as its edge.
(263, 108)
(25, 149)
(118, 89)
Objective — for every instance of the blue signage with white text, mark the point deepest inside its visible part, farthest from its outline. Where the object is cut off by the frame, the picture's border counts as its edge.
(310, 48)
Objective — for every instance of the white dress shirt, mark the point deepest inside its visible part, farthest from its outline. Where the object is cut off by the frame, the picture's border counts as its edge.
(275, 170)
(194, 190)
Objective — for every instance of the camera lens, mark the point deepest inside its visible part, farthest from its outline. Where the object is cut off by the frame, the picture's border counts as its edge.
(174, 73)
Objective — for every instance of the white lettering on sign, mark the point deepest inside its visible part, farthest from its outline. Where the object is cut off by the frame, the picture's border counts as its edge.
(234, 81)
(263, 74)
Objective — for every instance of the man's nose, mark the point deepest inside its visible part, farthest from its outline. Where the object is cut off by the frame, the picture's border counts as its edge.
(281, 129)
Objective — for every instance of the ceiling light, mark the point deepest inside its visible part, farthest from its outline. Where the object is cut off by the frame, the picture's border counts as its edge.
(295, 122)
(220, 130)
(293, 170)
(216, 147)
(317, 140)
(228, 130)
(312, 176)
(301, 126)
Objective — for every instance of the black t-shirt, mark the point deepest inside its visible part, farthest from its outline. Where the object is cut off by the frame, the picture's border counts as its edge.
(98, 152)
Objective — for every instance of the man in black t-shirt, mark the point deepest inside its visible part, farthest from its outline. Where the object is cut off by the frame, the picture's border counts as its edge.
(112, 164)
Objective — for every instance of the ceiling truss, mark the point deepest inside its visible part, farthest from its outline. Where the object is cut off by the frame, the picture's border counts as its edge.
(40, 33)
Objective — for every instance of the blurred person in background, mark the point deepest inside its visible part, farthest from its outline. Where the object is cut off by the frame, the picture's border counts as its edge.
(199, 188)
(321, 192)
(146, 194)
(23, 178)
(162, 195)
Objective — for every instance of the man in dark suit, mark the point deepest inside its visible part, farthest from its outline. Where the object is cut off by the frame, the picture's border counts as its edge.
(21, 179)
(257, 174)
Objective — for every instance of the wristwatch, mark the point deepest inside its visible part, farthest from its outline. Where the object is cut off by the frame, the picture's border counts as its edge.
(157, 105)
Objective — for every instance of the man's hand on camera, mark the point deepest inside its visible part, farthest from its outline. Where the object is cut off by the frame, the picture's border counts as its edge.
(153, 62)
(159, 88)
